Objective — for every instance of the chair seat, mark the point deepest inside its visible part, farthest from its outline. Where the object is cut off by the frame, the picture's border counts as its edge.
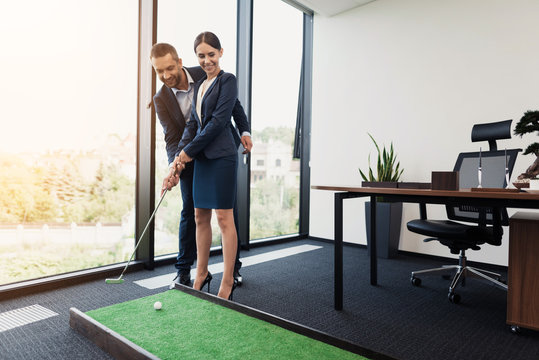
(447, 229)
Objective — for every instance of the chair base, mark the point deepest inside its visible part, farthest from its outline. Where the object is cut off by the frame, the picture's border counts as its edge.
(462, 272)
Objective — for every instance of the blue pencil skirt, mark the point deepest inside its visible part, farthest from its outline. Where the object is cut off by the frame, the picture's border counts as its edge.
(214, 182)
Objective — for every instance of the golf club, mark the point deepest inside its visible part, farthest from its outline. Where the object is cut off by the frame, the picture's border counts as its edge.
(120, 279)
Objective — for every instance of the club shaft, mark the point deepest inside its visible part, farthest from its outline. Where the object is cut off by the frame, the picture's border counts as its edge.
(144, 232)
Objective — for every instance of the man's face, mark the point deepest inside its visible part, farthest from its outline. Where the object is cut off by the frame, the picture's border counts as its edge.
(168, 70)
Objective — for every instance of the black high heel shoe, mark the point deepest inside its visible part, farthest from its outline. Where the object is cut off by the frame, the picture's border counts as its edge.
(207, 280)
(233, 288)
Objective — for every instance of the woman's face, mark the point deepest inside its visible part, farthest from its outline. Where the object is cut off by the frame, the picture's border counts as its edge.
(208, 58)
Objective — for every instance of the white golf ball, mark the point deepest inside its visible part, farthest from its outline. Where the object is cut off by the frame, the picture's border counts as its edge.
(157, 305)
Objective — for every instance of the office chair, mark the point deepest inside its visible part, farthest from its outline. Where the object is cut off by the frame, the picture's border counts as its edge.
(458, 236)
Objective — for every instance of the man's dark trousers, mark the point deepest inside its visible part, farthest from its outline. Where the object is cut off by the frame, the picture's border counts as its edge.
(187, 234)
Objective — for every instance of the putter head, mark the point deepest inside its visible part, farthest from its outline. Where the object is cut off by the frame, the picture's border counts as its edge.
(114, 281)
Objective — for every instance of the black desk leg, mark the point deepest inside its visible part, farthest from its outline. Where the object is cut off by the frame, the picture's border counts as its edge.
(374, 277)
(339, 197)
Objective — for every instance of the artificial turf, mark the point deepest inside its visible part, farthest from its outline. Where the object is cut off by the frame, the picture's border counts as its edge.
(191, 328)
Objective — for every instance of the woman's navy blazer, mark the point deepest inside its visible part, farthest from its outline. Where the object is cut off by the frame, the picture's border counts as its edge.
(213, 134)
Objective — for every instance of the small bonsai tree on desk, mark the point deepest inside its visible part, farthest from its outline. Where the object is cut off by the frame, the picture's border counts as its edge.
(529, 123)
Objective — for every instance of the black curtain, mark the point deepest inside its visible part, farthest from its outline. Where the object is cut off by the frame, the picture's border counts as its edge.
(299, 116)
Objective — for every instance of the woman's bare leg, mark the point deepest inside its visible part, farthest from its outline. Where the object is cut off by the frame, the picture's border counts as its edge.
(203, 239)
(225, 217)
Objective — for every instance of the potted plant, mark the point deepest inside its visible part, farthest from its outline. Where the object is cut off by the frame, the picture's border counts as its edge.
(388, 214)
(387, 172)
(529, 123)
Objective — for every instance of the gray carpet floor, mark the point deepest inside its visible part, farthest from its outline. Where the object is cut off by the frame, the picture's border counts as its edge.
(393, 318)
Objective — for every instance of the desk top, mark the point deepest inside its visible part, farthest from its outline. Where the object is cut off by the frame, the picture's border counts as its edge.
(463, 193)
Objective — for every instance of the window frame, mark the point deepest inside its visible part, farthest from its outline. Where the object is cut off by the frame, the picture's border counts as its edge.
(146, 127)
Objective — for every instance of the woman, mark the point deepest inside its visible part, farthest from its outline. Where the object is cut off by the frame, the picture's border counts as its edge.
(210, 138)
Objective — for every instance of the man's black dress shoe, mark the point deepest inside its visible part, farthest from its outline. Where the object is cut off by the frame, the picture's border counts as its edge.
(238, 279)
(184, 279)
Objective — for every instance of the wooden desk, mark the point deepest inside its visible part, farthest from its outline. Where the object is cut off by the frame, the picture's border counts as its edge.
(523, 274)
(465, 197)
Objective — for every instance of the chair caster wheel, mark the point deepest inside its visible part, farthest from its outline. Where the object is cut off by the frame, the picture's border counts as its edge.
(415, 281)
(454, 298)
(515, 329)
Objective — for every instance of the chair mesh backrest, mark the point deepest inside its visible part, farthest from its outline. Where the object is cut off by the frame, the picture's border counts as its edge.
(492, 176)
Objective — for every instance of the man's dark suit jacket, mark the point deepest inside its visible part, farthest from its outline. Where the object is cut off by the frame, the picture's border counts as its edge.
(172, 119)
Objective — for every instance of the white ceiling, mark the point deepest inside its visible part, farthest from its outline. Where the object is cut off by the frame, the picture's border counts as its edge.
(332, 7)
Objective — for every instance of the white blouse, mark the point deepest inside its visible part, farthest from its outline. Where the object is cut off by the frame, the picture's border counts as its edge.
(200, 95)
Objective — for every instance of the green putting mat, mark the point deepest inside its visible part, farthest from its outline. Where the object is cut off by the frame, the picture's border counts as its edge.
(191, 328)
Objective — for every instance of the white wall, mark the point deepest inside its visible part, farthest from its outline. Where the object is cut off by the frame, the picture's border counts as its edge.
(419, 73)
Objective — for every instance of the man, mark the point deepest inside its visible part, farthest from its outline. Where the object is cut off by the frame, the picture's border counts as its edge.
(173, 107)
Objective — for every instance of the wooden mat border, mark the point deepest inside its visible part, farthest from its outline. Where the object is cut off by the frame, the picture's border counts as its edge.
(121, 348)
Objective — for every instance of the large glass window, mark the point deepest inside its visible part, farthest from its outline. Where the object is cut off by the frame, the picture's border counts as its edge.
(179, 22)
(277, 51)
(68, 135)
